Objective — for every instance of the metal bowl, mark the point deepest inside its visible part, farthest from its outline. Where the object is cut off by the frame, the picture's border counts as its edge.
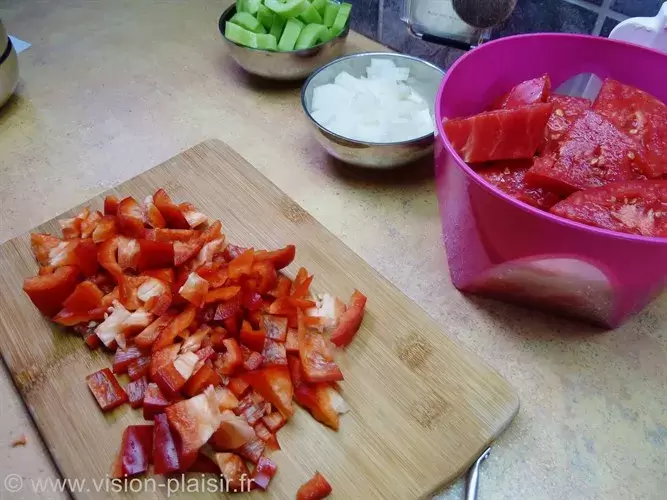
(9, 68)
(293, 65)
(371, 154)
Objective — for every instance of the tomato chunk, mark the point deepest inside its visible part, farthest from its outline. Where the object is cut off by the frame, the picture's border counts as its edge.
(528, 92)
(315, 489)
(106, 389)
(506, 134)
(135, 450)
(49, 292)
(592, 153)
(635, 207)
(567, 110)
(350, 320)
(165, 454)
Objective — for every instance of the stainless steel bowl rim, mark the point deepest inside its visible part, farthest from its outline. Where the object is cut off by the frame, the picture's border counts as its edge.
(227, 14)
(352, 56)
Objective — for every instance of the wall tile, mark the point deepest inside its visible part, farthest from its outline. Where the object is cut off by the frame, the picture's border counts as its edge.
(637, 8)
(609, 24)
(364, 17)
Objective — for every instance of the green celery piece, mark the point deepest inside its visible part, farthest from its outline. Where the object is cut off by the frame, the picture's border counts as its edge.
(267, 42)
(277, 26)
(330, 13)
(309, 36)
(310, 15)
(341, 18)
(240, 6)
(290, 34)
(247, 21)
(239, 35)
(327, 35)
(320, 6)
(265, 16)
(251, 6)
(290, 8)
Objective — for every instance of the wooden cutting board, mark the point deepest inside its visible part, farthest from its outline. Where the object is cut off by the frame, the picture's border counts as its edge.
(422, 407)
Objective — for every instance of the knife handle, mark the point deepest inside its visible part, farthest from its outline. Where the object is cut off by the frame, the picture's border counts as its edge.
(473, 476)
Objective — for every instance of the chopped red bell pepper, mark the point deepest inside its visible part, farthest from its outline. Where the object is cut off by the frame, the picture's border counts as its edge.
(252, 339)
(136, 391)
(172, 214)
(274, 353)
(111, 205)
(165, 453)
(172, 377)
(186, 250)
(148, 335)
(241, 265)
(350, 321)
(71, 228)
(238, 386)
(163, 357)
(274, 421)
(167, 336)
(194, 290)
(204, 465)
(106, 228)
(92, 340)
(252, 450)
(139, 368)
(267, 276)
(283, 287)
(292, 341)
(201, 379)
(165, 274)
(154, 401)
(106, 389)
(155, 254)
(85, 254)
(233, 433)
(231, 359)
(45, 247)
(275, 327)
(301, 283)
(263, 473)
(135, 450)
(315, 489)
(171, 235)
(206, 353)
(233, 251)
(217, 277)
(222, 294)
(252, 407)
(86, 296)
(275, 385)
(279, 258)
(265, 435)
(123, 358)
(235, 472)
(106, 256)
(153, 216)
(49, 292)
(89, 224)
(251, 360)
(217, 336)
(316, 358)
(131, 218)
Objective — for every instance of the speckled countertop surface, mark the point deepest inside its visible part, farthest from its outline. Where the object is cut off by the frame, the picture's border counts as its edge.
(110, 89)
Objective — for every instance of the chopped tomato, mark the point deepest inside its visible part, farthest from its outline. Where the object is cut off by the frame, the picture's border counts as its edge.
(172, 214)
(316, 358)
(175, 328)
(123, 358)
(49, 292)
(139, 368)
(350, 321)
(567, 110)
(106, 229)
(110, 205)
(232, 433)
(235, 472)
(154, 402)
(135, 450)
(106, 389)
(263, 473)
(505, 134)
(315, 489)
(280, 258)
(635, 207)
(528, 92)
(131, 218)
(136, 390)
(275, 385)
(165, 454)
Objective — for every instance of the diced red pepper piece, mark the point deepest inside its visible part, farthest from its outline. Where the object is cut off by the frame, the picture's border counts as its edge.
(265, 435)
(275, 385)
(181, 322)
(153, 216)
(92, 340)
(238, 386)
(148, 335)
(528, 92)
(274, 421)
(106, 228)
(235, 472)
(106, 389)
(195, 420)
(301, 289)
(222, 294)
(186, 250)
(275, 327)
(216, 276)
(350, 320)
(138, 368)
(205, 353)
(194, 290)
(233, 433)
(85, 254)
(171, 235)
(252, 407)
(266, 273)
(124, 357)
(165, 274)
(89, 224)
(283, 287)
(253, 339)
(252, 450)
(201, 379)
(136, 391)
(241, 265)
(231, 359)
(110, 205)
(279, 258)
(172, 214)
(131, 218)
(219, 334)
(233, 251)
(86, 296)
(263, 473)
(292, 340)
(154, 402)
(48, 292)
(165, 453)
(162, 358)
(315, 489)
(251, 360)
(204, 465)
(274, 353)
(107, 257)
(315, 355)
(155, 254)
(227, 309)
(135, 450)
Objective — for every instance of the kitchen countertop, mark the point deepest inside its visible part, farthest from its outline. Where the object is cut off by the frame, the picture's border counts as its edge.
(110, 89)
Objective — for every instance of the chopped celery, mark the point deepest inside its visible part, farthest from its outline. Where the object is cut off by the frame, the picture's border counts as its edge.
(309, 36)
(265, 16)
(239, 35)
(290, 34)
(249, 6)
(330, 13)
(342, 17)
(320, 5)
(266, 42)
(310, 15)
(290, 8)
(248, 22)
(327, 35)
(277, 26)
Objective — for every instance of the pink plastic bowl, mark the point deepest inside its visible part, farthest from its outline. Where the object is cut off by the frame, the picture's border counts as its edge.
(499, 247)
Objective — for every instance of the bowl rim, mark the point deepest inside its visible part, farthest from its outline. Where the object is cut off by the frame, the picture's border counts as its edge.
(471, 174)
(231, 10)
(365, 54)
